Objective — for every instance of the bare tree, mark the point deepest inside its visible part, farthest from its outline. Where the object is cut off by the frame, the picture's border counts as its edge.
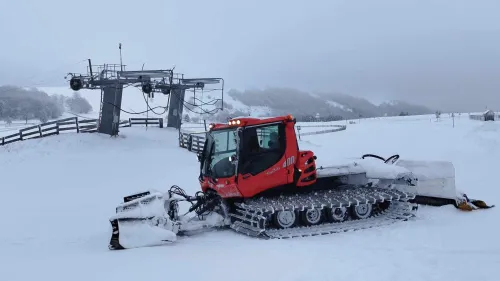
(19, 103)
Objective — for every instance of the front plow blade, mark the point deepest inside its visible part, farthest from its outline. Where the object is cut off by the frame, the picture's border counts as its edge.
(135, 233)
(142, 221)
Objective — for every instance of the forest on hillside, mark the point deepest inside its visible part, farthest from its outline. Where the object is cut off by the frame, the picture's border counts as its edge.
(17, 103)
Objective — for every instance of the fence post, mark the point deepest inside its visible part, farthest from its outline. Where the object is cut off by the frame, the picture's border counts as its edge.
(3, 140)
(20, 135)
(40, 130)
(77, 127)
(190, 142)
(57, 128)
(130, 122)
(160, 120)
(205, 124)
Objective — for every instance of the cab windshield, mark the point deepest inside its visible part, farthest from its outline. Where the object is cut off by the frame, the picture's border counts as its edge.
(221, 145)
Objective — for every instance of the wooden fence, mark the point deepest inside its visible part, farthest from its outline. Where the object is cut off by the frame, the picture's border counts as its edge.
(192, 141)
(195, 141)
(71, 124)
(146, 121)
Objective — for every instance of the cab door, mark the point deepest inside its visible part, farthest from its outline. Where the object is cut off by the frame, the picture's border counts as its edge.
(261, 158)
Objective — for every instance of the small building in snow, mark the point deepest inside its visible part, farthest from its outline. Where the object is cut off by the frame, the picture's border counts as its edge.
(489, 115)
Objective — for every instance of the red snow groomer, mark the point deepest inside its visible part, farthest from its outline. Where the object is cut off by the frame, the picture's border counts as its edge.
(255, 180)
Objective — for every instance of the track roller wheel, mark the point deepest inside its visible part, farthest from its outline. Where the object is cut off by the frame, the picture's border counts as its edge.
(362, 211)
(285, 219)
(337, 214)
(312, 216)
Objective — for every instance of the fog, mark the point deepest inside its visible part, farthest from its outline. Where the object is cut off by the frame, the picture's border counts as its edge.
(440, 53)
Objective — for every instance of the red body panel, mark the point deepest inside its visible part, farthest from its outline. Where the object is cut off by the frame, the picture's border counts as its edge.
(307, 168)
(294, 167)
(225, 187)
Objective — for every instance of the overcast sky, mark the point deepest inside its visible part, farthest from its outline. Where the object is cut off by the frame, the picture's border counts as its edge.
(441, 53)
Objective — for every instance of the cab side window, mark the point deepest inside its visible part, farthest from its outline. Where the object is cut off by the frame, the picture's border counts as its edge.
(269, 137)
(263, 147)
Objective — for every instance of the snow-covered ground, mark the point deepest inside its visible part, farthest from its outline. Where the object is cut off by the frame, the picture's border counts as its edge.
(60, 191)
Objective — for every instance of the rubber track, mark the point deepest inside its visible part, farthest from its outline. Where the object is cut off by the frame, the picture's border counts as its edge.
(252, 215)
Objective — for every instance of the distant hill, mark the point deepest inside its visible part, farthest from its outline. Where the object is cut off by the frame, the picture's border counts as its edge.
(291, 101)
(268, 102)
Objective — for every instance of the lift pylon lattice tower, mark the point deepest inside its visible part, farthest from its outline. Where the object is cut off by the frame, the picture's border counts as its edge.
(111, 79)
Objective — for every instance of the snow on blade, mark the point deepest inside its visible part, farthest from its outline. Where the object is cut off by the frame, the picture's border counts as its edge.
(147, 206)
(135, 234)
(377, 169)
